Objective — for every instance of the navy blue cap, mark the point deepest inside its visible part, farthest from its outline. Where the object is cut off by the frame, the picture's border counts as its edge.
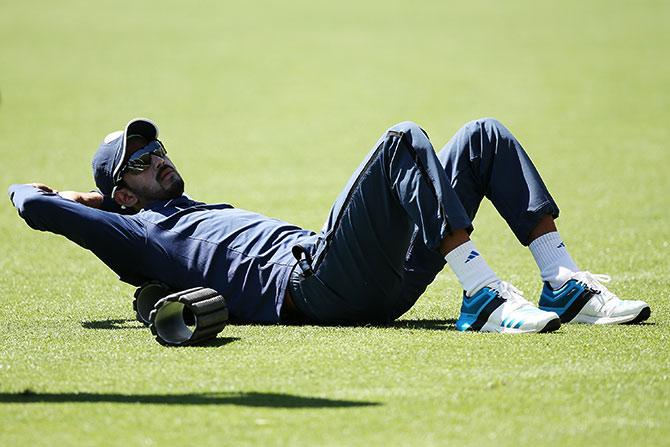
(109, 157)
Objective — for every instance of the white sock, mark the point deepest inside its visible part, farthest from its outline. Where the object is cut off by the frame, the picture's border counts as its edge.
(470, 267)
(552, 258)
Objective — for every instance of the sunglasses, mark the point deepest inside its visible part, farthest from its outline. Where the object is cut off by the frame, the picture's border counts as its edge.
(140, 161)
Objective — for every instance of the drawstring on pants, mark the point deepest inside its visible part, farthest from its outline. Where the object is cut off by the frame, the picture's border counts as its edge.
(304, 260)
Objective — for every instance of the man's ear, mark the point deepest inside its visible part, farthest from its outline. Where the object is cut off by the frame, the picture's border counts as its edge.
(125, 197)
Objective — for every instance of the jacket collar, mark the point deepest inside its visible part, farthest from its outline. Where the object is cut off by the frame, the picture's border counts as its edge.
(183, 201)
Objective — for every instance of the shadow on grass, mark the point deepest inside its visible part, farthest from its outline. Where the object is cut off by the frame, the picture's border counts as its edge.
(437, 325)
(428, 324)
(251, 399)
(121, 323)
(215, 342)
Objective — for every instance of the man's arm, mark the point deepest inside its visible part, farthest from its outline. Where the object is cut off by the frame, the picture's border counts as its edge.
(117, 240)
(92, 199)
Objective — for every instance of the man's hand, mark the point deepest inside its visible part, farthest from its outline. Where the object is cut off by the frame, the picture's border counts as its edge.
(43, 187)
(90, 199)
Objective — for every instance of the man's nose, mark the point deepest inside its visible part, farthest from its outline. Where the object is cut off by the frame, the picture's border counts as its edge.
(157, 161)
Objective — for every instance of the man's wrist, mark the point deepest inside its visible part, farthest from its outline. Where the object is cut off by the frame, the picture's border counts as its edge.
(91, 199)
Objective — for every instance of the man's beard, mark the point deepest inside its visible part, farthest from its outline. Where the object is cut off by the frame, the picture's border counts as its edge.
(172, 191)
(176, 188)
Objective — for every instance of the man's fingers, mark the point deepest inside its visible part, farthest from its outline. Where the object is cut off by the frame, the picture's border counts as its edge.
(43, 187)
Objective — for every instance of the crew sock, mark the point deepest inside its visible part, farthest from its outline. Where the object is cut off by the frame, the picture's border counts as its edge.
(470, 268)
(552, 258)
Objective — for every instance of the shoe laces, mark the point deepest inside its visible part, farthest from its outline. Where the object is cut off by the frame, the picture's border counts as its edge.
(511, 294)
(593, 281)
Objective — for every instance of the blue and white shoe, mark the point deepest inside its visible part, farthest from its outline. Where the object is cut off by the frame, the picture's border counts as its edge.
(583, 299)
(502, 308)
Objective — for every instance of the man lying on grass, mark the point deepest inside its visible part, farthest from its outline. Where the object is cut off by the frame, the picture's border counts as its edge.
(405, 212)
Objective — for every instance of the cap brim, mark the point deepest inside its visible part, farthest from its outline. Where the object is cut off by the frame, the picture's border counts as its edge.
(137, 126)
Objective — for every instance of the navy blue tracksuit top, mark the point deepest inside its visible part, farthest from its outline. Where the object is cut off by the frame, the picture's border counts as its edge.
(244, 256)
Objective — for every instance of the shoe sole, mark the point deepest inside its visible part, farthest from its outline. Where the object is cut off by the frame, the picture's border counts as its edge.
(641, 316)
(551, 326)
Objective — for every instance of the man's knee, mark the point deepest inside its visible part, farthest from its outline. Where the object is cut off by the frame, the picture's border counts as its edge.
(488, 125)
(413, 134)
(487, 128)
(474, 140)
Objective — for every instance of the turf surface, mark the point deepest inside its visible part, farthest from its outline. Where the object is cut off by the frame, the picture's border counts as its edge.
(270, 106)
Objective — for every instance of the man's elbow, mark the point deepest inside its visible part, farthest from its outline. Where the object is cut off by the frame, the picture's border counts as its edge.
(12, 192)
(34, 207)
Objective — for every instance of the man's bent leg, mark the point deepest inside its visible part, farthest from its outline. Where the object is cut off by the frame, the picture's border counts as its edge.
(358, 264)
(484, 159)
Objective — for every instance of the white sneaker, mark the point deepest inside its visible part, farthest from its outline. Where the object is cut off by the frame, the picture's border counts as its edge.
(502, 308)
(583, 299)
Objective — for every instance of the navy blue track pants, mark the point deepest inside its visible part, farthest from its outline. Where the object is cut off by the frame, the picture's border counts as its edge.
(379, 248)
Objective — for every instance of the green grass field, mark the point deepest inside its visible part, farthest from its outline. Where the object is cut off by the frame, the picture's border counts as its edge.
(270, 106)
